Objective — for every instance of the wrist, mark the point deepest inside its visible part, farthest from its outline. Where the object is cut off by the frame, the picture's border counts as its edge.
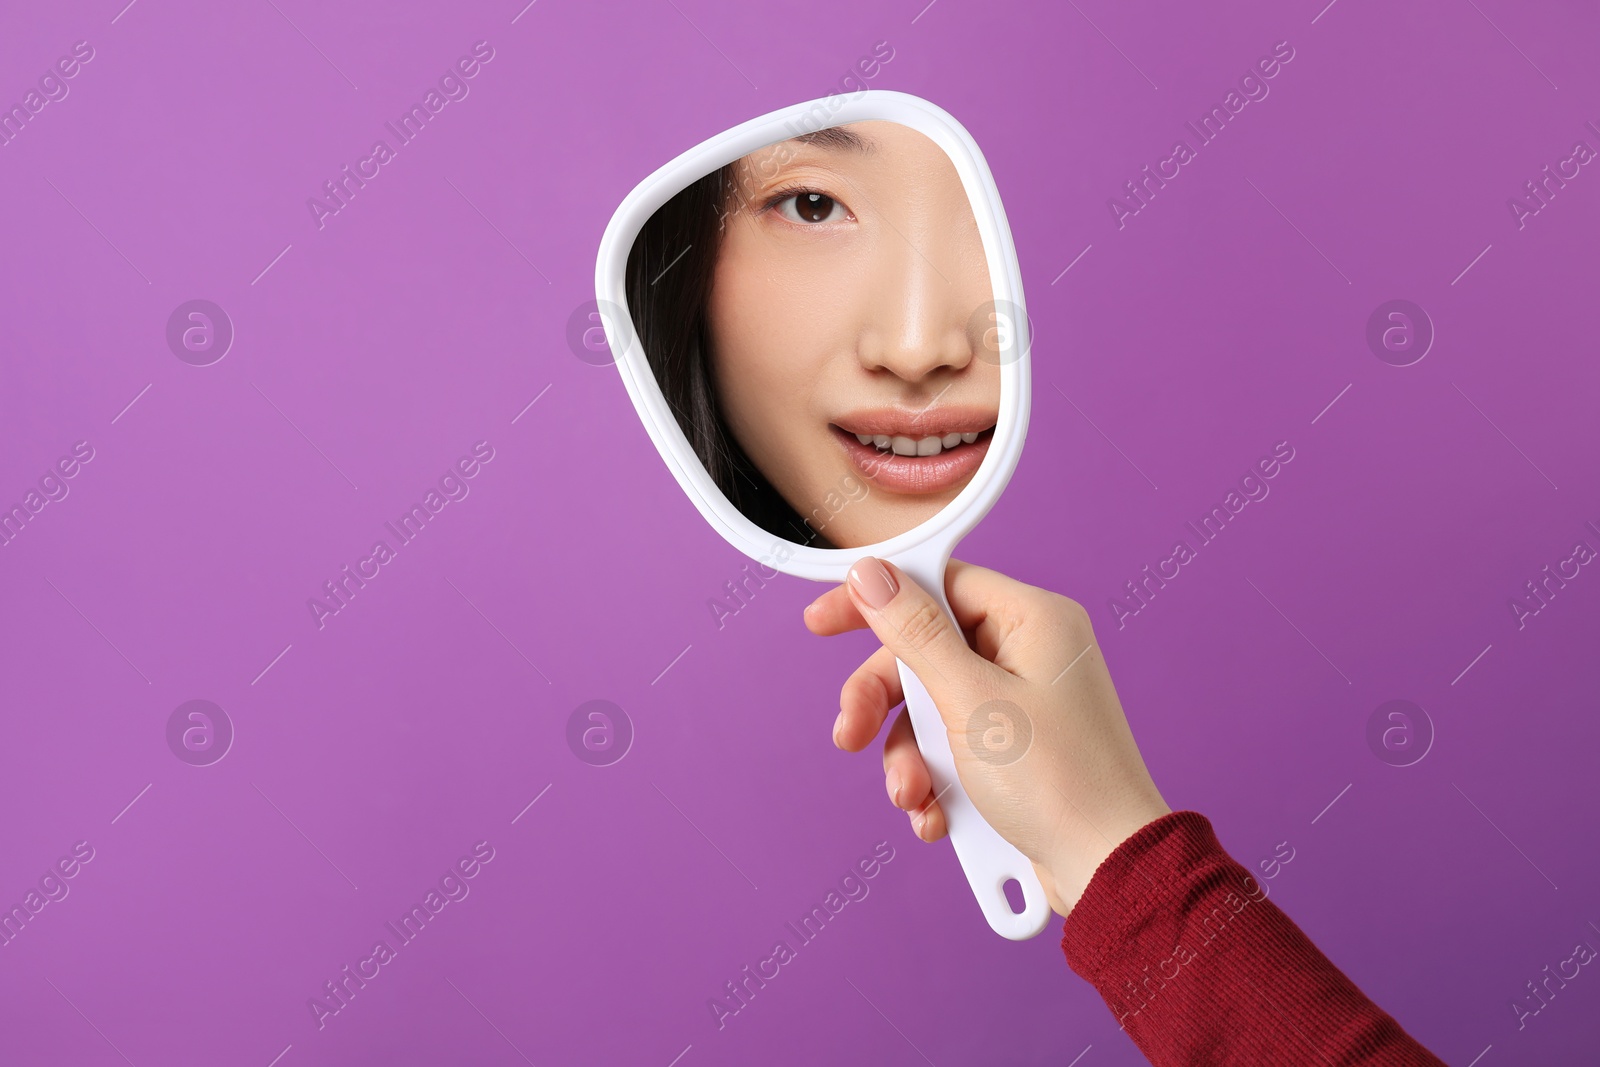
(1084, 847)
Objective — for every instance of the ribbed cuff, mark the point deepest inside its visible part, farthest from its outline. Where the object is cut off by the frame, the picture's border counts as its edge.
(1149, 865)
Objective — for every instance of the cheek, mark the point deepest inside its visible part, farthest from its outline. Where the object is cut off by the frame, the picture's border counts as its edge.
(744, 375)
(971, 288)
(769, 346)
(779, 346)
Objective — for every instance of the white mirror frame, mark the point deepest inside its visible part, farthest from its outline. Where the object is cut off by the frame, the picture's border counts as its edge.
(957, 518)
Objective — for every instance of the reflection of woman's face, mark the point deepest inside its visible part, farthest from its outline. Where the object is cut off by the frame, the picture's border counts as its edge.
(849, 271)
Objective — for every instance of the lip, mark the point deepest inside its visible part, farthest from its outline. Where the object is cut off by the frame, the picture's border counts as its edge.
(914, 474)
(922, 423)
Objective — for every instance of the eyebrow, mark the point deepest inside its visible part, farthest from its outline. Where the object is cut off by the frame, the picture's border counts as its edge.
(837, 138)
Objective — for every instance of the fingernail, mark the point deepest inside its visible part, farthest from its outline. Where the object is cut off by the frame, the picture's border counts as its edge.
(837, 724)
(895, 785)
(873, 583)
(917, 822)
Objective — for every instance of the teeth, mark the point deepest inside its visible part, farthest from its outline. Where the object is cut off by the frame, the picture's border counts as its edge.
(902, 445)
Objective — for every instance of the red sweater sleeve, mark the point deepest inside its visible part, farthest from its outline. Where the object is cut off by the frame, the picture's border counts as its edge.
(1199, 967)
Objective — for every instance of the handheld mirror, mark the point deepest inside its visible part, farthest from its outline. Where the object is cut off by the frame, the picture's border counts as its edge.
(818, 315)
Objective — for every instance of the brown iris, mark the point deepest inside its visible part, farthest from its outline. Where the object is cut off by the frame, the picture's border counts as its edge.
(813, 207)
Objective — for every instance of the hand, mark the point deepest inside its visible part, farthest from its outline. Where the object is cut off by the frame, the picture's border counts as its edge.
(1027, 658)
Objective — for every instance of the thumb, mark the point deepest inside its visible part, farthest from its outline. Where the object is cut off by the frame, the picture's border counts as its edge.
(913, 626)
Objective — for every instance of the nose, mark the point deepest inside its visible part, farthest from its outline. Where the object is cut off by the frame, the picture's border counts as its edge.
(918, 309)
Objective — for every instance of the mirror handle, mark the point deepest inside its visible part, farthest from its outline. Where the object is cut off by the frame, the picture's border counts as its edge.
(988, 859)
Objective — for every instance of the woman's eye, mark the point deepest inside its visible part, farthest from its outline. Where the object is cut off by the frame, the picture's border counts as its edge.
(810, 208)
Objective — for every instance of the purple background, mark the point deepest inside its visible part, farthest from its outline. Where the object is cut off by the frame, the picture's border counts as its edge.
(1224, 317)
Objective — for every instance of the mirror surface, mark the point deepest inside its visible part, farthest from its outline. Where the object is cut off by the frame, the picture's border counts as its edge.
(814, 314)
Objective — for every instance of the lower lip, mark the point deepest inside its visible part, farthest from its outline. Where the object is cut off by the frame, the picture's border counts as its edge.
(914, 474)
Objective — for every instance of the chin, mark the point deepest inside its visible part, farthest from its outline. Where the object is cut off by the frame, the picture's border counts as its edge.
(879, 528)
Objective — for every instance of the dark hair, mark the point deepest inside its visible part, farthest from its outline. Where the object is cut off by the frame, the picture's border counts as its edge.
(668, 284)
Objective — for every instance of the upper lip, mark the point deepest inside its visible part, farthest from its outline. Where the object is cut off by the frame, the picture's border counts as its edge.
(925, 422)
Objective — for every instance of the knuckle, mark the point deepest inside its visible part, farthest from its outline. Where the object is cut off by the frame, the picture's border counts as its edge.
(1071, 615)
(924, 628)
